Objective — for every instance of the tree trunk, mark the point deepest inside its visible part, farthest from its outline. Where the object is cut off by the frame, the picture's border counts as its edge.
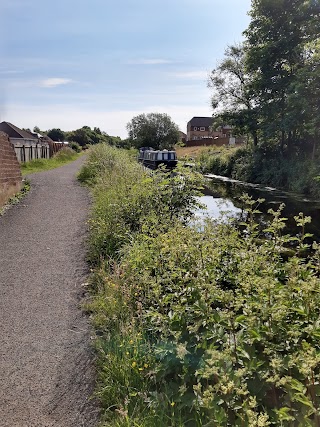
(255, 138)
(282, 140)
(314, 148)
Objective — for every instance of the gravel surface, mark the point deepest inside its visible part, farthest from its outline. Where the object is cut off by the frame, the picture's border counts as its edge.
(46, 369)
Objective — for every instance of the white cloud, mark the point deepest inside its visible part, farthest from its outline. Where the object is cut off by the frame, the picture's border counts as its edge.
(151, 61)
(54, 81)
(194, 75)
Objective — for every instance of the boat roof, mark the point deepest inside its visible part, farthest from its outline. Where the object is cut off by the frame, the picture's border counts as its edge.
(161, 151)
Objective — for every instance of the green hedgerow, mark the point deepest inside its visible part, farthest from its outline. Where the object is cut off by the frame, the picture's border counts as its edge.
(198, 324)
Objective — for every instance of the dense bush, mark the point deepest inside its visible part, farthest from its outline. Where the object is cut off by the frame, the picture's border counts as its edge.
(75, 146)
(66, 153)
(198, 325)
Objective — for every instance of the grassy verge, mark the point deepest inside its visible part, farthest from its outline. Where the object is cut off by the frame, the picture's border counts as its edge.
(63, 157)
(197, 326)
(193, 153)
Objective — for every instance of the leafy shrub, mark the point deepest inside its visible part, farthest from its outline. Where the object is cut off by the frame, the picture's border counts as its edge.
(75, 146)
(202, 325)
(64, 154)
(235, 328)
(128, 200)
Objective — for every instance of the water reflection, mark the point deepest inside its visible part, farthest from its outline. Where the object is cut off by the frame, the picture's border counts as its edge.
(217, 207)
(223, 194)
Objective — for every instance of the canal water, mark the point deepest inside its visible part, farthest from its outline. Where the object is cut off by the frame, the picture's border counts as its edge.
(222, 197)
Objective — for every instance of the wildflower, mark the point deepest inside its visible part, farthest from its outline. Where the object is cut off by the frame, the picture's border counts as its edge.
(131, 342)
(134, 364)
(172, 404)
(146, 365)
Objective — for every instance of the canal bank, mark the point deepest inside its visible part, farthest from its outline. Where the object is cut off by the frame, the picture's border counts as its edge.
(222, 196)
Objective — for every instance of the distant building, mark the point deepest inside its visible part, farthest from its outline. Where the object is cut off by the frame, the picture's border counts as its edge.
(200, 132)
(199, 128)
(27, 145)
(16, 133)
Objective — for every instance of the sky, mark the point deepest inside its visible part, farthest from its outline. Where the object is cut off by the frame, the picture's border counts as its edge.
(72, 63)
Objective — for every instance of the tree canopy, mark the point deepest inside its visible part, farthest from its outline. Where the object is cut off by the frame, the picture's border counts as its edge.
(268, 86)
(154, 130)
(83, 136)
(86, 136)
(56, 134)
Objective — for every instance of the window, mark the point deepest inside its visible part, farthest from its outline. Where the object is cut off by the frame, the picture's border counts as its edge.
(202, 128)
(195, 128)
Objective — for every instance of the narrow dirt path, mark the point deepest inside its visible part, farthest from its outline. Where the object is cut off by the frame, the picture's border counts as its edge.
(46, 373)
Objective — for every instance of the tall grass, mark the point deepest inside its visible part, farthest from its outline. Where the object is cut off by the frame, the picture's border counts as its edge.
(197, 326)
(64, 156)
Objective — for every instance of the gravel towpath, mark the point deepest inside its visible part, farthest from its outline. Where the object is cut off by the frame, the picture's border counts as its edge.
(46, 372)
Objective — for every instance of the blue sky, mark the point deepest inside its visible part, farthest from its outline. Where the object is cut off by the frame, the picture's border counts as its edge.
(70, 63)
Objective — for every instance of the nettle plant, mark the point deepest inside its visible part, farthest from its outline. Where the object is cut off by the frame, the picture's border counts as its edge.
(234, 325)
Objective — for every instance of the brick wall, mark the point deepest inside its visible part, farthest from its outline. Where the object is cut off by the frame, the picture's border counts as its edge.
(10, 173)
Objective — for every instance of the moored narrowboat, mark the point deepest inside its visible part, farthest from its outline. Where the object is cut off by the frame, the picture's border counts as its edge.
(153, 158)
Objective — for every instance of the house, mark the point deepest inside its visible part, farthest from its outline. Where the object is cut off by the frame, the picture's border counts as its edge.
(27, 145)
(200, 132)
(199, 128)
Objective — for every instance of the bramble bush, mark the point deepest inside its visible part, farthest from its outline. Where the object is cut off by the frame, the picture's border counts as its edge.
(198, 325)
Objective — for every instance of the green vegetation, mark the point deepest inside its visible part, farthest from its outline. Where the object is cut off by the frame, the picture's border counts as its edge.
(154, 130)
(65, 155)
(82, 137)
(268, 89)
(197, 326)
(266, 166)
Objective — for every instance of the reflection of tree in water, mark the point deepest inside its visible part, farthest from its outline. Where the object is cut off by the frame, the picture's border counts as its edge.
(294, 204)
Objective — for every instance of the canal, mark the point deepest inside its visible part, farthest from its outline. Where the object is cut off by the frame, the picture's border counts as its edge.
(222, 197)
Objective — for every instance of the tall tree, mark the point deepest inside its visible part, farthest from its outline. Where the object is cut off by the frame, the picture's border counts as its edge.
(232, 100)
(154, 130)
(304, 99)
(56, 134)
(275, 46)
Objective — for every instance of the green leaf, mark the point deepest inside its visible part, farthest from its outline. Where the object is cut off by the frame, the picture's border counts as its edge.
(304, 400)
(284, 414)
